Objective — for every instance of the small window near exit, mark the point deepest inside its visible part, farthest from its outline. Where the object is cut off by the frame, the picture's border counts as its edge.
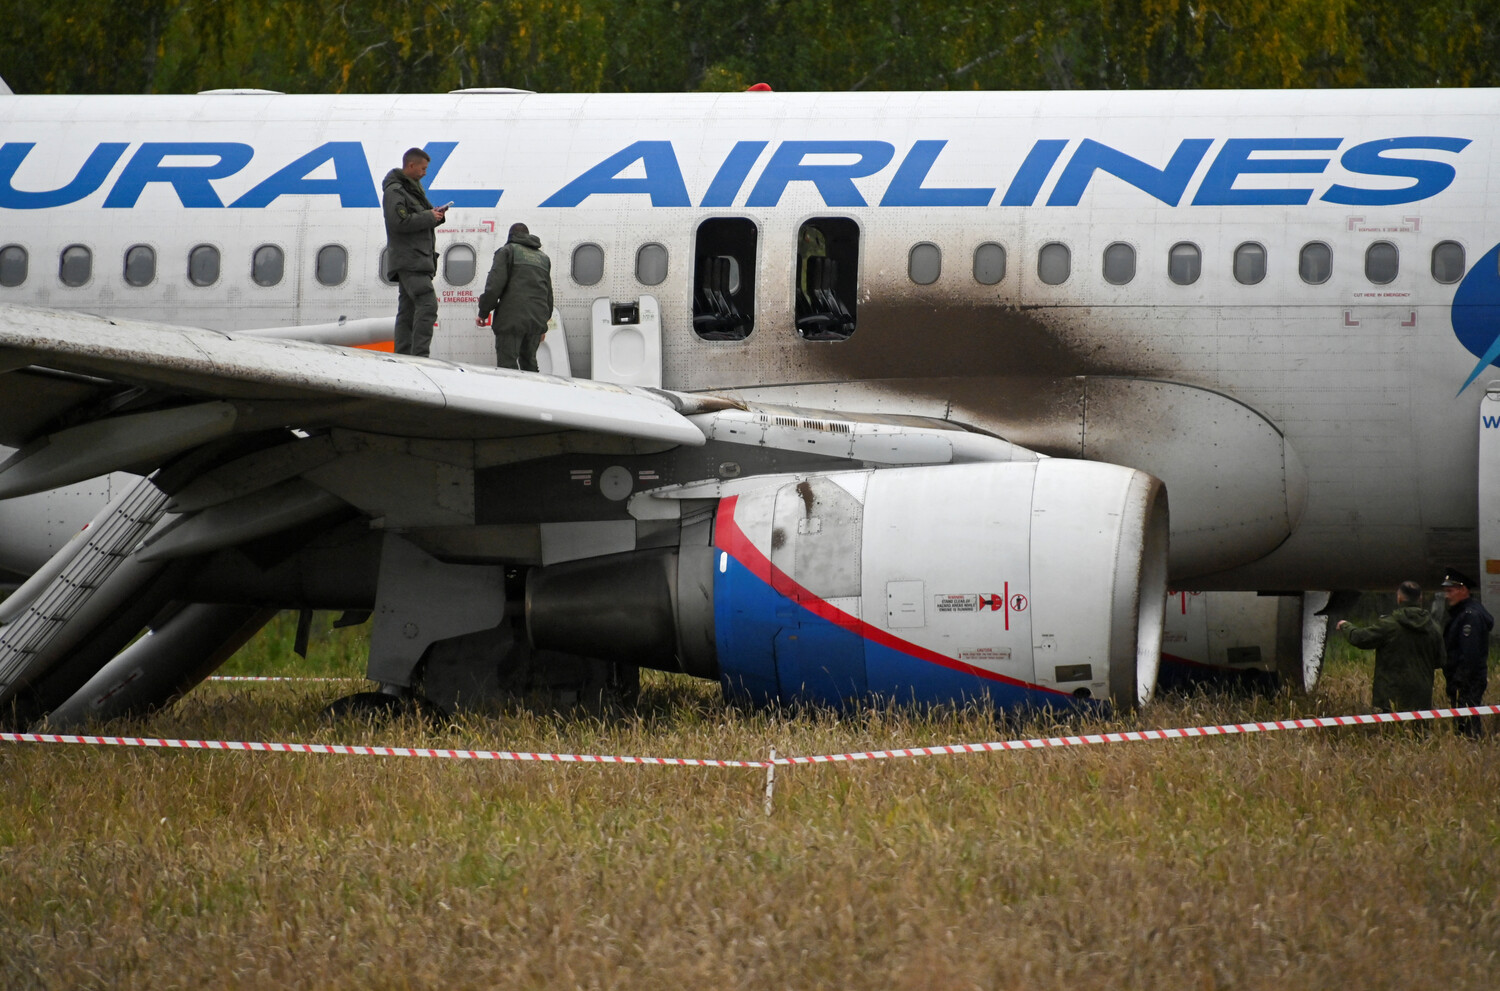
(651, 265)
(75, 265)
(1119, 263)
(203, 265)
(1315, 263)
(459, 265)
(386, 275)
(924, 263)
(13, 265)
(1382, 263)
(1249, 263)
(1054, 263)
(1184, 263)
(140, 265)
(333, 265)
(588, 264)
(989, 264)
(1447, 262)
(268, 264)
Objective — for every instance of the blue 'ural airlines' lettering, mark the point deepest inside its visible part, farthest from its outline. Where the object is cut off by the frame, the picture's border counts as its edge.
(660, 176)
(193, 183)
(663, 180)
(1166, 184)
(835, 183)
(906, 187)
(732, 174)
(1217, 187)
(190, 181)
(439, 152)
(351, 182)
(89, 178)
(1431, 177)
(1033, 172)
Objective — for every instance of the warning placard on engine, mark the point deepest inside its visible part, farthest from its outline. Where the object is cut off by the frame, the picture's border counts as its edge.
(985, 655)
(972, 602)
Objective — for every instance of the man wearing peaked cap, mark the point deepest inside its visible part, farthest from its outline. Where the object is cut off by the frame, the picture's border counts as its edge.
(1466, 636)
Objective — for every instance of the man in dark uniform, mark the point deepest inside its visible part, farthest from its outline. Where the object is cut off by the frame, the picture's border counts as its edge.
(519, 293)
(411, 251)
(1467, 637)
(1408, 648)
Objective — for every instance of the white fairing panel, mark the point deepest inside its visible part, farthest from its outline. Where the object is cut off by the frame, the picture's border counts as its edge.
(1489, 494)
(627, 346)
(552, 356)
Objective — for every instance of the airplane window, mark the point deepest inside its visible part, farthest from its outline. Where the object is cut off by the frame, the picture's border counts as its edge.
(588, 264)
(1054, 263)
(75, 265)
(1316, 263)
(140, 265)
(333, 265)
(1184, 263)
(1119, 263)
(1382, 262)
(651, 264)
(989, 264)
(1249, 263)
(203, 265)
(458, 265)
(385, 276)
(267, 265)
(924, 263)
(1447, 262)
(13, 265)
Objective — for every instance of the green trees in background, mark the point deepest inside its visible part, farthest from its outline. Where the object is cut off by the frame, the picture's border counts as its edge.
(166, 46)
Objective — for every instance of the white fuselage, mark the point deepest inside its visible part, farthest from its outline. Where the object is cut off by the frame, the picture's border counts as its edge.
(1362, 373)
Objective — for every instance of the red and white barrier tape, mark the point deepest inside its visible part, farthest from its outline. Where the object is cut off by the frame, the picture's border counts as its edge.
(1038, 743)
(248, 677)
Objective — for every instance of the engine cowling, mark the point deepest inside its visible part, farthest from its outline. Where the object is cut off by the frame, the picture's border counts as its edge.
(1037, 583)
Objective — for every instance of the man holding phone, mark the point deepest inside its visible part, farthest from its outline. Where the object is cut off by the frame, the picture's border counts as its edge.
(411, 251)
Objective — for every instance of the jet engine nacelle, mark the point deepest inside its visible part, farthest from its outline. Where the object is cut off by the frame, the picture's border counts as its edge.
(1037, 583)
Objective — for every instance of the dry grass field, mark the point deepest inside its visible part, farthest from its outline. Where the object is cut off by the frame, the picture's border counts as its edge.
(1309, 859)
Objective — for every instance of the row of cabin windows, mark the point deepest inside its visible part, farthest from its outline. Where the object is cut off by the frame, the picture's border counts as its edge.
(924, 264)
(1054, 263)
(75, 265)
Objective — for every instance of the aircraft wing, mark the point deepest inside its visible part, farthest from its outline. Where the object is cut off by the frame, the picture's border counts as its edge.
(55, 364)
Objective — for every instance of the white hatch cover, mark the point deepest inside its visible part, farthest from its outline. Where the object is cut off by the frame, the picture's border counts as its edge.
(1489, 493)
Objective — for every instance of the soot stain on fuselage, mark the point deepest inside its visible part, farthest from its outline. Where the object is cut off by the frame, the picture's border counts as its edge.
(899, 340)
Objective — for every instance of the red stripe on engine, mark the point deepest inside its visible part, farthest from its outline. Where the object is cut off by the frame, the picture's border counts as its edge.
(730, 538)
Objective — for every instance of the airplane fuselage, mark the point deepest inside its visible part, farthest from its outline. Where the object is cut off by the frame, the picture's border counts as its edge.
(1287, 259)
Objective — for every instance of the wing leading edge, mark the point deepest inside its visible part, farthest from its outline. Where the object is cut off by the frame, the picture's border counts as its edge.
(295, 381)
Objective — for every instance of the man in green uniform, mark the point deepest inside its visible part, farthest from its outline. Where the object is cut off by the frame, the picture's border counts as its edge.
(1408, 648)
(411, 251)
(519, 293)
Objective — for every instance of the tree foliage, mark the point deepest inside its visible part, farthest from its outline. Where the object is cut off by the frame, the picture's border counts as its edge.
(318, 46)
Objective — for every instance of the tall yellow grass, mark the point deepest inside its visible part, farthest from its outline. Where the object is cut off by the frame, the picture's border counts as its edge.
(1314, 859)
